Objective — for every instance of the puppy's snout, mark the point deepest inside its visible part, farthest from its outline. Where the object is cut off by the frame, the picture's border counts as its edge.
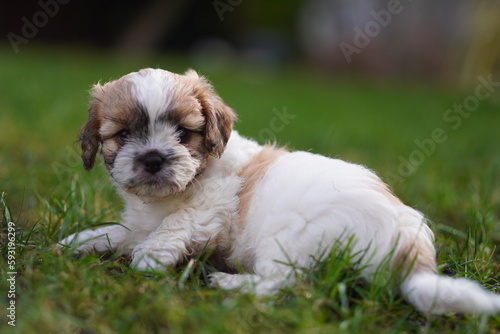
(152, 161)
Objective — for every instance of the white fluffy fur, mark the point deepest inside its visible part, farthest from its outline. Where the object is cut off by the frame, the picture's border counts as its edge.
(302, 206)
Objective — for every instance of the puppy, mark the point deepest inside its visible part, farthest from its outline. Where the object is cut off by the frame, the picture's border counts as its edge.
(191, 184)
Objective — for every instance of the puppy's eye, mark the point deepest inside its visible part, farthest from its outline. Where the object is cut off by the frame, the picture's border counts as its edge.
(183, 134)
(122, 135)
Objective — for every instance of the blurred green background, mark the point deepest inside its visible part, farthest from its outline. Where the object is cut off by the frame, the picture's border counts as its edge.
(412, 62)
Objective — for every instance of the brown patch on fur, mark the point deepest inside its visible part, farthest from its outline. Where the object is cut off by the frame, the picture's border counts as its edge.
(417, 256)
(188, 115)
(112, 109)
(118, 108)
(384, 189)
(219, 117)
(197, 149)
(252, 173)
(89, 137)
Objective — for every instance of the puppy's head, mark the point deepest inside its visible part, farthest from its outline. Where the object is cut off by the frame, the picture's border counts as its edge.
(156, 130)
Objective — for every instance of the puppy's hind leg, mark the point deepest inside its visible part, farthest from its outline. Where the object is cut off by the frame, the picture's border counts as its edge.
(271, 272)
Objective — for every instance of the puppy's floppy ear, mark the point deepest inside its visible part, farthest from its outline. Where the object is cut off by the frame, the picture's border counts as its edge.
(218, 116)
(89, 134)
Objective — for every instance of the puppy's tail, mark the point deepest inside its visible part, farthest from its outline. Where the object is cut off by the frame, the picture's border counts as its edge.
(423, 287)
(431, 293)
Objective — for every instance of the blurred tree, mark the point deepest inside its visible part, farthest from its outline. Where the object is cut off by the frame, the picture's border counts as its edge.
(151, 26)
(482, 54)
(403, 39)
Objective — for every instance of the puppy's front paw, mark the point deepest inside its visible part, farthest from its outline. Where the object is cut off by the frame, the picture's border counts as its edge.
(79, 243)
(88, 241)
(147, 260)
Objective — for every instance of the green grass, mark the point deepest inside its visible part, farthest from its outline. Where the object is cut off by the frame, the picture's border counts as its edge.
(48, 195)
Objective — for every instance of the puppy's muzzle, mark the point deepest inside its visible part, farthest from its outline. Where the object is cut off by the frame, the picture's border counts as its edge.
(152, 161)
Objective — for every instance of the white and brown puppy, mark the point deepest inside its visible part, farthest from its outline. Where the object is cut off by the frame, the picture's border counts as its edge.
(190, 184)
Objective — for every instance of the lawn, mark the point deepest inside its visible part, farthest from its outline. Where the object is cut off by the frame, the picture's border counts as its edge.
(448, 168)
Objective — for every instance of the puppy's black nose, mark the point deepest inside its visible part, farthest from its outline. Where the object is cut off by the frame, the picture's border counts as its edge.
(153, 162)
